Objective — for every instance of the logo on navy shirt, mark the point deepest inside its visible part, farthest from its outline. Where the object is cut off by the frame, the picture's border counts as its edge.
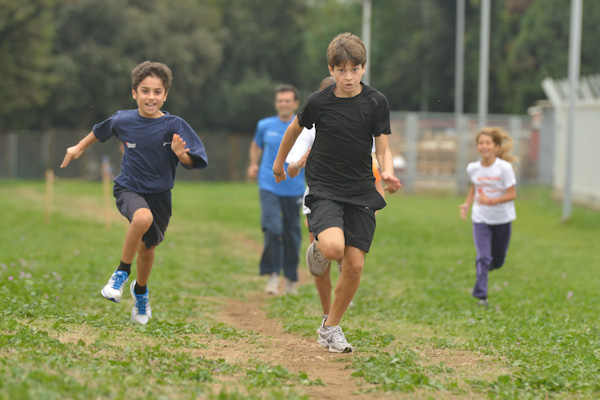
(130, 145)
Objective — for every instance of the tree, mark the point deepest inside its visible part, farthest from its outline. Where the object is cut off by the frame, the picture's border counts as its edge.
(100, 41)
(263, 46)
(541, 47)
(26, 33)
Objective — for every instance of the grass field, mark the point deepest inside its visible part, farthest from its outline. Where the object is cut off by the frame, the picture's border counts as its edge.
(416, 330)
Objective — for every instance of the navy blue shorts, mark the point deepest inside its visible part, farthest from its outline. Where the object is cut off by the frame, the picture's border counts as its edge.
(159, 204)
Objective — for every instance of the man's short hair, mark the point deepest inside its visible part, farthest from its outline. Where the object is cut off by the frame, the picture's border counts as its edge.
(149, 68)
(287, 88)
(346, 47)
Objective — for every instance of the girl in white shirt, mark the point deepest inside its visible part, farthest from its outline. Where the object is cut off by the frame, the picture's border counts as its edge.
(493, 192)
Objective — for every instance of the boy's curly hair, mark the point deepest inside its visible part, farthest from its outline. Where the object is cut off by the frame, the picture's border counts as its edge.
(149, 68)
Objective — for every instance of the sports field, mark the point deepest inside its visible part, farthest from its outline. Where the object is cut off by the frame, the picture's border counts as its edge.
(416, 330)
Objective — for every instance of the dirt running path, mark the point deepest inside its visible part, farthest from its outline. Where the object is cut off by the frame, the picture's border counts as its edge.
(296, 353)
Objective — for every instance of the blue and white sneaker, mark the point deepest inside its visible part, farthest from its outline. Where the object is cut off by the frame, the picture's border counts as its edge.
(113, 290)
(141, 311)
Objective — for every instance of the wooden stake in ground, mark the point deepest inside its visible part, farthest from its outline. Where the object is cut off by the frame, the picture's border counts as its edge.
(49, 194)
(106, 175)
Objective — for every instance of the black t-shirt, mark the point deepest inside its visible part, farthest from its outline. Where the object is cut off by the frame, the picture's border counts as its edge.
(340, 159)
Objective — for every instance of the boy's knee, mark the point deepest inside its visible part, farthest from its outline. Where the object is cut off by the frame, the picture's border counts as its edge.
(142, 218)
(332, 250)
(143, 251)
(352, 271)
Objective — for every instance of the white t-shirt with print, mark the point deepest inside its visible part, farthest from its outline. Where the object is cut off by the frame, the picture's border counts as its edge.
(492, 181)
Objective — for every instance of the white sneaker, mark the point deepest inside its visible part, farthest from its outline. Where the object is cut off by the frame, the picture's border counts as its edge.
(141, 311)
(315, 261)
(332, 338)
(272, 284)
(290, 287)
(113, 290)
(323, 319)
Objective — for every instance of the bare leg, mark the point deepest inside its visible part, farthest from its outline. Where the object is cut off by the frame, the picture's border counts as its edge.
(354, 260)
(323, 284)
(141, 221)
(145, 260)
(331, 243)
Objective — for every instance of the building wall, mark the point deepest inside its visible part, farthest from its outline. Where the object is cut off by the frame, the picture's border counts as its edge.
(586, 160)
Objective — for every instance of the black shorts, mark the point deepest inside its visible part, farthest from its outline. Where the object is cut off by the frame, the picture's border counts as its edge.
(356, 221)
(159, 204)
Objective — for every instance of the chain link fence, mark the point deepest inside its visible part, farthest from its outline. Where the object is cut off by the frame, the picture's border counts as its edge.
(431, 152)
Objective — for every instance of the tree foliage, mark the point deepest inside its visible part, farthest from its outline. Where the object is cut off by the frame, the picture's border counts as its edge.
(68, 62)
(26, 33)
(100, 42)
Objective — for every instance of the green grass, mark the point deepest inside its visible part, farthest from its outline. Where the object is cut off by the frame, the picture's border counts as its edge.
(414, 325)
(538, 338)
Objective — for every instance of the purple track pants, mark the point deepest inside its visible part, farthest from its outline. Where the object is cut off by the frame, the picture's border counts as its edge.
(491, 243)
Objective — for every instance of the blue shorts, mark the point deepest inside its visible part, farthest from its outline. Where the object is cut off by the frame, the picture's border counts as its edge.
(159, 204)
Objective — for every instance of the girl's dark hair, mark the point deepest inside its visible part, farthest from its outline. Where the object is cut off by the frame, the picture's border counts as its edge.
(149, 68)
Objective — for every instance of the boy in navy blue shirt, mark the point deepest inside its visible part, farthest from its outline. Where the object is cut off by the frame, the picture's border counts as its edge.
(154, 142)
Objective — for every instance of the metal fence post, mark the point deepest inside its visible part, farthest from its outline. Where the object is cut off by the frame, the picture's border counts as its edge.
(412, 122)
(514, 128)
(462, 131)
(13, 155)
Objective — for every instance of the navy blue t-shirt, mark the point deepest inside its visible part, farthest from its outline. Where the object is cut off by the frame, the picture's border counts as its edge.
(149, 164)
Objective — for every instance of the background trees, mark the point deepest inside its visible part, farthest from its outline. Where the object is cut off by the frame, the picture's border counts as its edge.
(67, 62)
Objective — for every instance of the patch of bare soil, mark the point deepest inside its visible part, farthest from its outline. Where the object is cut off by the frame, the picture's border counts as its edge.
(295, 353)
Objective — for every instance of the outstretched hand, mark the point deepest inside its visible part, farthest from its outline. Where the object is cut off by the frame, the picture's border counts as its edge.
(178, 145)
(392, 183)
(73, 153)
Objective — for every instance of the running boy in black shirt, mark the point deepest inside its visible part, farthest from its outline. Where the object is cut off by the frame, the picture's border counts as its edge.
(342, 195)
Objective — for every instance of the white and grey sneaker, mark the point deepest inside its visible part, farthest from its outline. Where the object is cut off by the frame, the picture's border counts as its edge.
(272, 284)
(315, 261)
(332, 338)
(323, 319)
(483, 303)
(113, 290)
(291, 287)
(141, 311)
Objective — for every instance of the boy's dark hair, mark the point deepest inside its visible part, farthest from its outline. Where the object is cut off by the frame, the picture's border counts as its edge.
(346, 47)
(287, 88)
(149, 68)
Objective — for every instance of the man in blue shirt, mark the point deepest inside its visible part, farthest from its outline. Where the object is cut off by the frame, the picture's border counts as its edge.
(280, 203)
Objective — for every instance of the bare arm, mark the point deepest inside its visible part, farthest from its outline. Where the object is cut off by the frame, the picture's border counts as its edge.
(384, 157)
(464, 207)
(289, 138)
(254, 156)
(74, 152)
